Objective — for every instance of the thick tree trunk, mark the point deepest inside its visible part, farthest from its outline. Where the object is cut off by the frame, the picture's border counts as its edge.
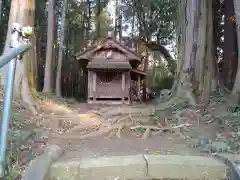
(98, 13)
(120, 27)
(0, 11)
(23, 12)
(55, 51)
(117, 13)
(60, 50)
(89, 26)
(12, 18)
(236, 87)
(132, 29)
(230, 44)
(188, 29)
(50, 34)
(195, 51)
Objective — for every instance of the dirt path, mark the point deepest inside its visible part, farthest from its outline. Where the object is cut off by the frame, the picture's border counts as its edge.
(97, 147)
(58, 120)
(129, 143)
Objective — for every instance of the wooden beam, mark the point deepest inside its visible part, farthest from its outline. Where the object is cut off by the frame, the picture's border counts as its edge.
(123, 85)
(139, 84)
(123, 81)
(94, 81)
(94, 86)
(89, 84)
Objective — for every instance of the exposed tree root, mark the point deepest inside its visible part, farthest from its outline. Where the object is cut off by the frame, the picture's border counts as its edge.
(190, 115)
(124, 118)
(146, 127)
(184, 92)
(212, 120)
(97, 112)
(147, 133)
(178, 129)
(100, 132)
(149, 127)
(165, 105)
(159, 124)
(157, 130)
(118, 133)
(168, 124)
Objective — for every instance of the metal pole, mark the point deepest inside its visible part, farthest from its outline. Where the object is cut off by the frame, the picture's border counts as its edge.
(6, 116)
(13, 53)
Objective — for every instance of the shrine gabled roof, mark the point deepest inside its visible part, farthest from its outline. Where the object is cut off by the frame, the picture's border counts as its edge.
(114, 44)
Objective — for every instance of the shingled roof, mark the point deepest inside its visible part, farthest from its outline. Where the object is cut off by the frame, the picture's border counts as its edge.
(130, 55)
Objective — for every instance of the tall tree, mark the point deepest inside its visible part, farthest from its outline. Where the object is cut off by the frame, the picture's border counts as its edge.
(98, 21)
(196, 60)
(230, 45)
(23, 12)
(0, 11)
(13, 14)
(89, 24)
(236, 87)
(60, 50)
(50, 35)
(117, 14)
(196, 78)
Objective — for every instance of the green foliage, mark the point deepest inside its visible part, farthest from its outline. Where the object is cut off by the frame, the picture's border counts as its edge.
(79, 18)
(162, 83)
(163, 76)
(172, 66)
(105, 23)
(155, 17)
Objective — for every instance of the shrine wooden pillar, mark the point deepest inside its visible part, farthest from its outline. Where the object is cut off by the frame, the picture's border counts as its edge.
(94, 86)
(129, 87)
(139, 84)
(89, 85)
(123, 86)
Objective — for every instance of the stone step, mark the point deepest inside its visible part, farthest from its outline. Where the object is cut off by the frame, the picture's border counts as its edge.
(139, 167)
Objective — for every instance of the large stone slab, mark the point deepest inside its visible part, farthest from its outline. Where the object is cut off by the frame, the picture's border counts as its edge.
(122, 167)
(185, 167)
(38, 168)
(140, 167)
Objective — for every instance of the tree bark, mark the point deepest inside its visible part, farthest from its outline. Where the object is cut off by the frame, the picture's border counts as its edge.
(89, 26)
(60, 50)
(23, 12)
(0, 11)
(195, 52)
(55, 50)
(117, 13)
(98, 13)
(230, 44)
(50, 34)
(12, 18)
(236, 87)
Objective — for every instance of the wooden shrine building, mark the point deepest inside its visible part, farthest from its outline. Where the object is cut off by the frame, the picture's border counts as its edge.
(112, 70)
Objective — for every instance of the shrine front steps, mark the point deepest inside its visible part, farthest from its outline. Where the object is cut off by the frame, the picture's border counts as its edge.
(139, 167)
(133, 167)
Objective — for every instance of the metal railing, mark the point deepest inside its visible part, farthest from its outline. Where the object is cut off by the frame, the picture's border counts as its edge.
(234, 166)
(18, 45)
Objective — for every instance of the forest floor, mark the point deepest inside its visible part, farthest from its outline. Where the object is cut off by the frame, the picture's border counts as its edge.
(84, 130)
